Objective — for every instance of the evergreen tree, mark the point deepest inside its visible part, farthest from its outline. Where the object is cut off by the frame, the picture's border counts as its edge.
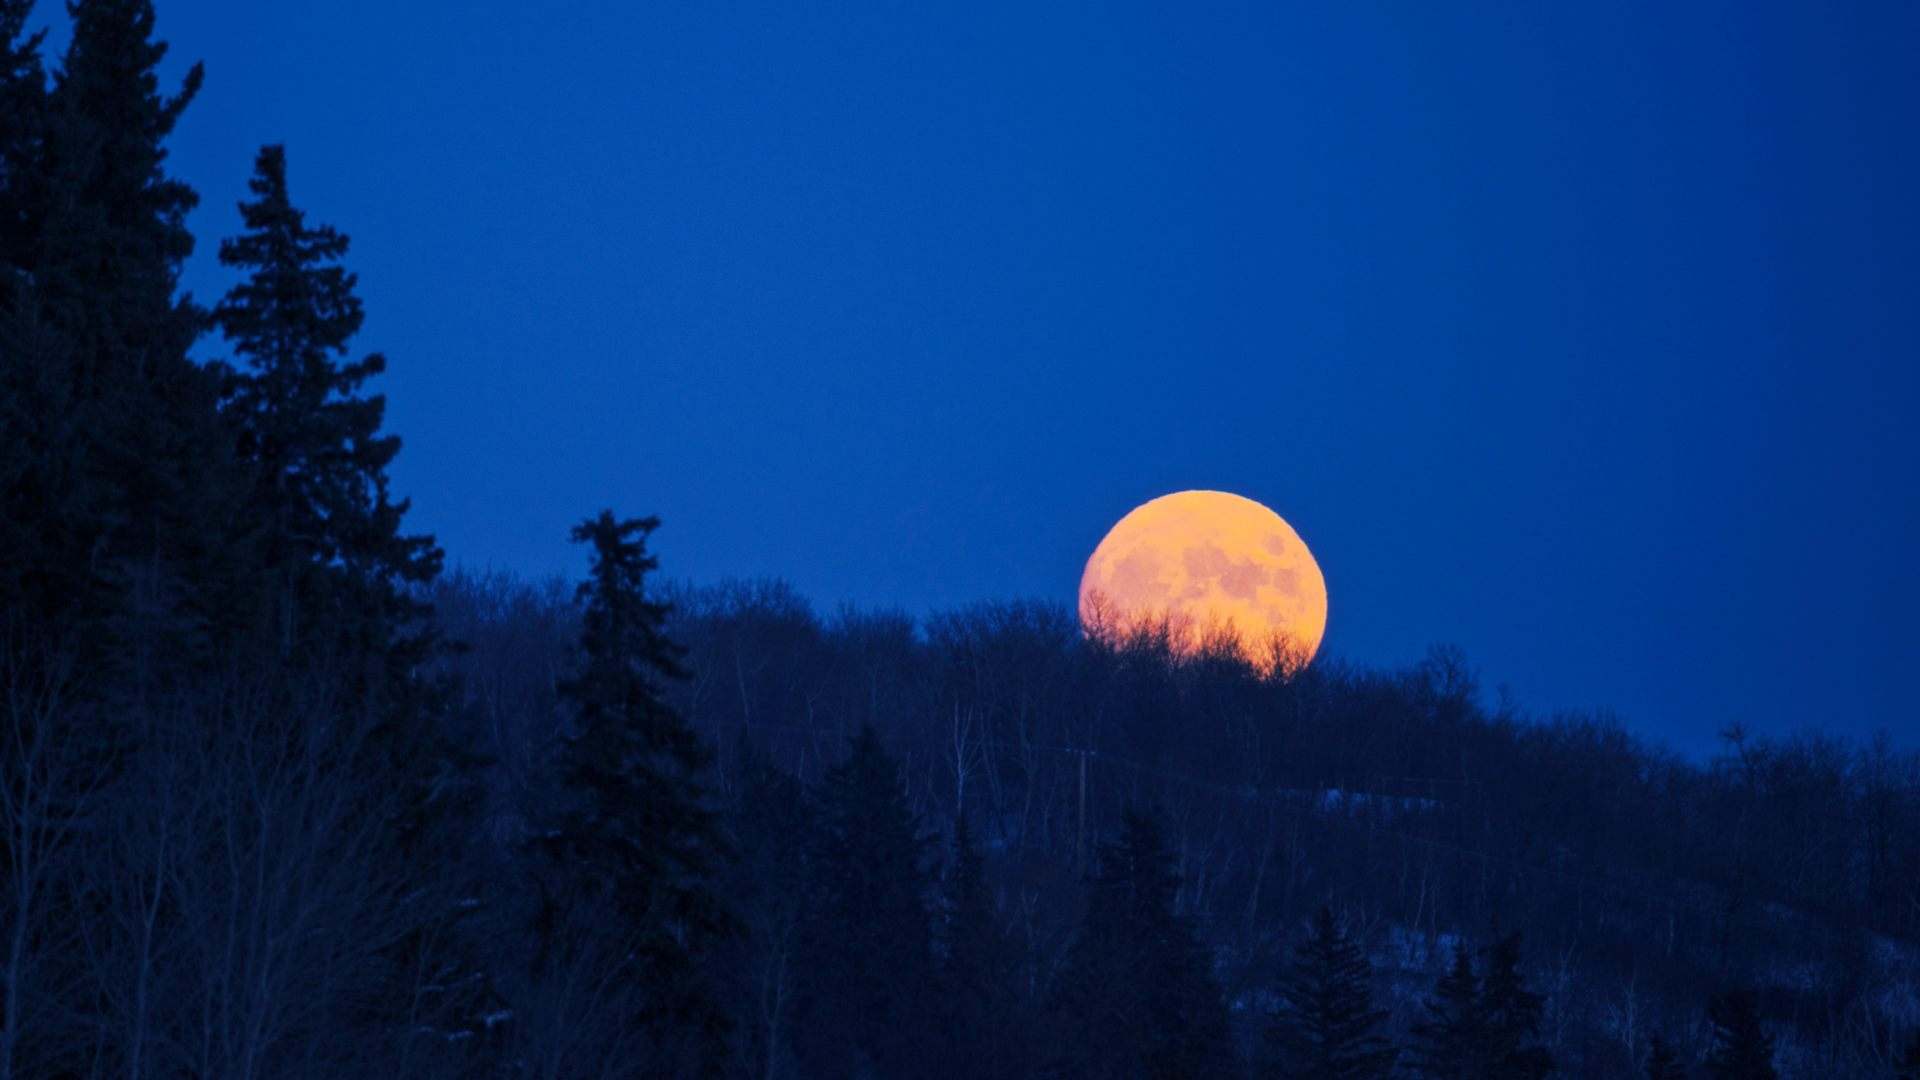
(1136, 996)
(866, 945)
(331, 595)
(636, 836)
(979, 970)
(1662, 1062)
(118, 492)
(1450, 1043)
(1326, 1028)
(334, 583)
(119, 488)
(109, 248)
(1742, 1049)
(1482, 1023)
(1510, 1017)
(338, 570)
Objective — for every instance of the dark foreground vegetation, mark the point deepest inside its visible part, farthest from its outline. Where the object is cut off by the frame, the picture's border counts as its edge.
(280, 799)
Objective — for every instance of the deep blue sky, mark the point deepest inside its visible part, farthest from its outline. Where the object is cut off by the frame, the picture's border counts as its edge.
(1584, 338)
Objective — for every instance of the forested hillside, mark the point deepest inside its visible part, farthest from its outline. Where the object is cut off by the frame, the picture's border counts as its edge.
(281, 798)
(1641, 885)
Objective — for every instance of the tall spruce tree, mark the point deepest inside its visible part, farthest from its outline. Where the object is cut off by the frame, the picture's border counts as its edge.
(867, 941)
(330, 600)
(636, 835)
(1327, 1027)
(1449, 1043)
(339, 572)
(1136, 995)
(979, 972)
(1662, 1062)
(119, 488)
(1510, 1016)
(1742, 1049)
(118, 491)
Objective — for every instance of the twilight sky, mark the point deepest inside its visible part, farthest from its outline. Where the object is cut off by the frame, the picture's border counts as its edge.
(1584, 338)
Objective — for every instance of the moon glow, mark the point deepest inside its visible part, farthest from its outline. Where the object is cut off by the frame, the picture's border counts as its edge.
(1209, 562)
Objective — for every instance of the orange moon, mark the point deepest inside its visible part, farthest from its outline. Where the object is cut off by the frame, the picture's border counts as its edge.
(1209, 562)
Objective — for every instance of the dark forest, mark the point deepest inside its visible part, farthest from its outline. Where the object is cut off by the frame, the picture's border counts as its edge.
(285, 793)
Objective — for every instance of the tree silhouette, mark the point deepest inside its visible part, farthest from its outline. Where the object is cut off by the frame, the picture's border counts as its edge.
(1482, 1023)
(1326, 1028)
(338, 567)
(1136, 996)
(978, 971)
(635, 835)
(119, 490)
(1450, 1042)
(335, 581)
(1510, 1016)
(866, 945)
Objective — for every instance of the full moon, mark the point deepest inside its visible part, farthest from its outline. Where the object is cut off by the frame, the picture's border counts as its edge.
(1209, 562)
